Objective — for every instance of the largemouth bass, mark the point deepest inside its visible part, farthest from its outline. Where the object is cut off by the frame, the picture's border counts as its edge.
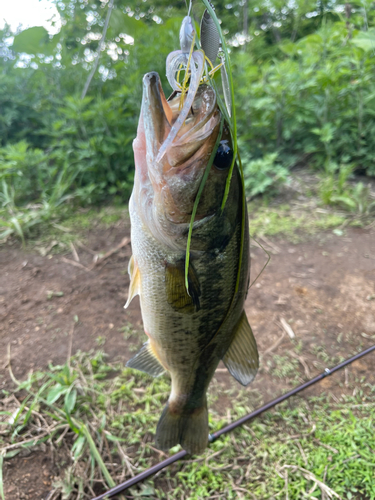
(189, 331)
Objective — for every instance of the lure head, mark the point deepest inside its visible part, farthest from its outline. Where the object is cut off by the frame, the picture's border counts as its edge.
(186, 34)
(165, 191)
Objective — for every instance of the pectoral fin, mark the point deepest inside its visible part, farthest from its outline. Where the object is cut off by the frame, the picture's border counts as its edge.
(242, 359)
(177, 295)
(146, 361)
(135, 280)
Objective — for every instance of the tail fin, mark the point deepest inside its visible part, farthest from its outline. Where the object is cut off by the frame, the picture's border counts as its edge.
(189, 429)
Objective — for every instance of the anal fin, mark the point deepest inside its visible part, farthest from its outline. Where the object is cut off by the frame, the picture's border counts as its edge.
(146, 361)
(242, 358)
(135, 281)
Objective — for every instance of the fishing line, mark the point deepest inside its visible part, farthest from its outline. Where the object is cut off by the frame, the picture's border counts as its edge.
(233, 131)
(214, 436)
(265, 265)
(195, 207)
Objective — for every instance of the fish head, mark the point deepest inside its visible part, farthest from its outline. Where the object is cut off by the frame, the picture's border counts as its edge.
(170, 185)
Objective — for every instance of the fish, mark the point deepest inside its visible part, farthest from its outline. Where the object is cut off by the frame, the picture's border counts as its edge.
(190, 329)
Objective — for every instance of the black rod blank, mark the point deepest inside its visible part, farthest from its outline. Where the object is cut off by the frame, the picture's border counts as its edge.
(228, 428)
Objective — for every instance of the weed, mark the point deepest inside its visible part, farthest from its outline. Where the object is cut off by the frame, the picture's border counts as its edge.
(128, 331)
(284, 366)
(108, 424)
(263, 175)
(51, 294)
(293, 224)
(334, 189)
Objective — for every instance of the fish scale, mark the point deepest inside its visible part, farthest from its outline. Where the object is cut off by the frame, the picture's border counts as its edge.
(159, 318)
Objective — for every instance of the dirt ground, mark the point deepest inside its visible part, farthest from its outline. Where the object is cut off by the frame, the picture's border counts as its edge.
(324, 288)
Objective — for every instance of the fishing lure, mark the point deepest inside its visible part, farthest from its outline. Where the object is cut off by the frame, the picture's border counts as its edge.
(211, 44)
(192, 63)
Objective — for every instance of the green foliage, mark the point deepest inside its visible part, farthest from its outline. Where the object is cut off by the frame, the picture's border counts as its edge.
(34, 41)
(25, 169)
(295, 224)
(314, 102)
(334, 189)
(94, 140)
(304, 90)
(263, 175)
(106, 416)
(25, 175)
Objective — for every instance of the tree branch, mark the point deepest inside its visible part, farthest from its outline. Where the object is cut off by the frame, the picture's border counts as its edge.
(100, 48)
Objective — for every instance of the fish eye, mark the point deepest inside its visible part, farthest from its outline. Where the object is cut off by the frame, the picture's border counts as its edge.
(224, 156)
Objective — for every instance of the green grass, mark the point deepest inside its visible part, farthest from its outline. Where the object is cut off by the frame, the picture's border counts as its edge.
(66, 223)
(65, 226)
(89, 218)
(107, 416)
(294, 225)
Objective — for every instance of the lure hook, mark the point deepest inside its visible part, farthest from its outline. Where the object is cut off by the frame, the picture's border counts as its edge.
(192, 62)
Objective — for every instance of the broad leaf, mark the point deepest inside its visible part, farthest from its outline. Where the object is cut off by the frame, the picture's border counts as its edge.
(365, 40)
(34, 41)
(56, 392)
(70, 400)
(122, 23)
(77, 446)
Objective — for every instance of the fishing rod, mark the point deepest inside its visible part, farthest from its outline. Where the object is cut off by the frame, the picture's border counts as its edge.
(228, 428)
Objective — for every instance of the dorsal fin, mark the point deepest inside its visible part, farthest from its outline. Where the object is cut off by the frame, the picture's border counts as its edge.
(146, 361)
(135, 280)
(242, 359)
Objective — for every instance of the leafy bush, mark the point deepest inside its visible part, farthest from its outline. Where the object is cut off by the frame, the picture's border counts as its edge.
(25, 169)
(304, 89)
(89, 159)
(93, 139)
(334, 189)
(263, 175)
(315, 102)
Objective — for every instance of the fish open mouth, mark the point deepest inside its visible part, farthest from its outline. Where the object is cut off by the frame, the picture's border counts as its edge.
(165, 135)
